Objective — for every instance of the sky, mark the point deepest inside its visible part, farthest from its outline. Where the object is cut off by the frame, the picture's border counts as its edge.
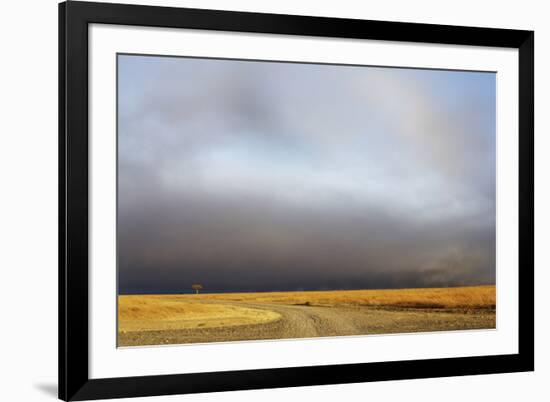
(265, 176)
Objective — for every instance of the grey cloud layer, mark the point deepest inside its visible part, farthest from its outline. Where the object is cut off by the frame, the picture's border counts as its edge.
(274, 176)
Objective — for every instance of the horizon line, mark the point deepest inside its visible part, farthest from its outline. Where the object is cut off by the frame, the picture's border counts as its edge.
(306, 291)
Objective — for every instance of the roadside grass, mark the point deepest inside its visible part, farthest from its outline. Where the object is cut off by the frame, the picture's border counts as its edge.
(147, 313)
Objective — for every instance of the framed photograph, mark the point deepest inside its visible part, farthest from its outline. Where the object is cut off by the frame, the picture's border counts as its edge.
(258, 201)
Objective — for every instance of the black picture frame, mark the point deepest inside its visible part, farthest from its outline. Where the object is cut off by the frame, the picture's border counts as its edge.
(74, 381)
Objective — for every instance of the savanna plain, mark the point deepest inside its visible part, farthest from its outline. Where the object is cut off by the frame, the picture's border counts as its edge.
(220, 317)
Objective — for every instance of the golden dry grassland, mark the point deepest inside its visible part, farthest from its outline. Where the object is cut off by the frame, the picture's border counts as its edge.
(469, 297)
(142, 313)
(203, 311)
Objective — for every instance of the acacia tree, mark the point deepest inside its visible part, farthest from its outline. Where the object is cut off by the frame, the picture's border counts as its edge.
(196, 287)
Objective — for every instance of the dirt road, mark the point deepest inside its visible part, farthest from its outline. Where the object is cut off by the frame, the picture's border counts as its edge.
(305, 321)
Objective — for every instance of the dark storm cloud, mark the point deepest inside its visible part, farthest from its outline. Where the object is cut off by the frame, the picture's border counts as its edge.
(271, 176)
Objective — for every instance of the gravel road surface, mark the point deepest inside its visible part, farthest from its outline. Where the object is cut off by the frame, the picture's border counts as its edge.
(305, 321)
